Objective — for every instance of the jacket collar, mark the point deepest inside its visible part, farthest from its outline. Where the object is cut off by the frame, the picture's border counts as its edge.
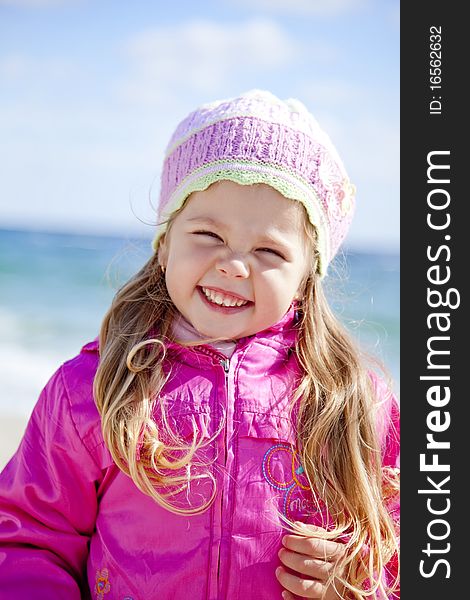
(280, 337)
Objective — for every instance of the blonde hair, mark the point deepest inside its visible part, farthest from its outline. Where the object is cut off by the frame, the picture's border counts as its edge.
(336, 412)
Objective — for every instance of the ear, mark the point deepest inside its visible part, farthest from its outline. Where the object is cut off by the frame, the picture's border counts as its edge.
(162, 250)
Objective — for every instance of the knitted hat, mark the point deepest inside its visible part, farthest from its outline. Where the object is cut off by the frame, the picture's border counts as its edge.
(257, 138)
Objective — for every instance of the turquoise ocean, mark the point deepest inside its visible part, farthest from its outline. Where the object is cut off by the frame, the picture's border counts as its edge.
(56, 287)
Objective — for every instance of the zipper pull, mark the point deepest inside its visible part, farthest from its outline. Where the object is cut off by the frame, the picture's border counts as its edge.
(225, 362)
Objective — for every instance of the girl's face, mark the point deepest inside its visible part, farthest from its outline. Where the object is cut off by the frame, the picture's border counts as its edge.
(235, 258)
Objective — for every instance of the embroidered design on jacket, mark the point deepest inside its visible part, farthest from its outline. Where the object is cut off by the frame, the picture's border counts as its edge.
(102, 585)
(278, 460)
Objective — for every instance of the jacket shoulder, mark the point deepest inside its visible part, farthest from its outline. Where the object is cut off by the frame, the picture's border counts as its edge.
(77, 375)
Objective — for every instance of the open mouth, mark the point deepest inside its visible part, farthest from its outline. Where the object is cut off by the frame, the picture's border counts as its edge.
(223, 301)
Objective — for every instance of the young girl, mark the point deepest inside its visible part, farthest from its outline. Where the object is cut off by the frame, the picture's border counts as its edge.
(222, 438)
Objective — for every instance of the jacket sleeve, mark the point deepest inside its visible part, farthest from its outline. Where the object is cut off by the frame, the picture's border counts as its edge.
(48, 505)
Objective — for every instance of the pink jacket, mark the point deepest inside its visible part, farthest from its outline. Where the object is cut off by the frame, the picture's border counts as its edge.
(73, 526)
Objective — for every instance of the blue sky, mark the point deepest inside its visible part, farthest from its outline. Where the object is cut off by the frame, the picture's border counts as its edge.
(92, 89)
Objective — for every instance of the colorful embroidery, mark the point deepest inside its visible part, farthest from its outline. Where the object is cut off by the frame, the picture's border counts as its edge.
(277, 460)
(102, 585)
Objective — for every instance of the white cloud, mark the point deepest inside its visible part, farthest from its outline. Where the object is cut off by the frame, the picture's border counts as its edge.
(205, 57)
(305, 7)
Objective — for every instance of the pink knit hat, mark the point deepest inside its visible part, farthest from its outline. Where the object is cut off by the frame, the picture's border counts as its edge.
(257, 138)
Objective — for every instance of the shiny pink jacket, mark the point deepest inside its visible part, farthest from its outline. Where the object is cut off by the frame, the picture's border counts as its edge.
(72, 525)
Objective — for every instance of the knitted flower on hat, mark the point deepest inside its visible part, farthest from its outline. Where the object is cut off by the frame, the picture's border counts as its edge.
(257, 138)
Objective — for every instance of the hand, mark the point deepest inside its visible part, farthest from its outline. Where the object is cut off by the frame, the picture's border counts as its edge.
(314, 557)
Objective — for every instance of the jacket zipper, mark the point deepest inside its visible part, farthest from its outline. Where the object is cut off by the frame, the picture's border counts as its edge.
(225, 362)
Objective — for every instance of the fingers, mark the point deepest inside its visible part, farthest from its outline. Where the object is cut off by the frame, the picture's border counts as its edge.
(304, 588)
(306, 565)
(312, 560)
(325, 550)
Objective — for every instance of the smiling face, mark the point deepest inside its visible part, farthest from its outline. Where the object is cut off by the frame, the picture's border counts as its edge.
(235, 258)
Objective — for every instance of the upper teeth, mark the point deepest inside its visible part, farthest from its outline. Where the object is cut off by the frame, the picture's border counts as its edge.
(222, 299)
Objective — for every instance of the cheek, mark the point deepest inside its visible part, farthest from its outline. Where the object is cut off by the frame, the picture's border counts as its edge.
(186, 267)
(281, 283)
(184, 258)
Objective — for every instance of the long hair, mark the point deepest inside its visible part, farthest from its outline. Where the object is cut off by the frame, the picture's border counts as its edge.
(336, 412)
(339, 446)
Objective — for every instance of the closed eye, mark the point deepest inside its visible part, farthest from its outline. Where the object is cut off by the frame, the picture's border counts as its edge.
(209, 233)
(271, 251)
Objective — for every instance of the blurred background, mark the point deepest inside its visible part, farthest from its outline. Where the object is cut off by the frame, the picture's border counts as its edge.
(90, 92)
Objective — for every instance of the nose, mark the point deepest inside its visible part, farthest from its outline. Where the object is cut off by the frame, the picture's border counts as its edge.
(233, 265)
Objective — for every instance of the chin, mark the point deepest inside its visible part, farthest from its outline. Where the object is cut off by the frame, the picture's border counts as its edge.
(224, 335)
(219, 332)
